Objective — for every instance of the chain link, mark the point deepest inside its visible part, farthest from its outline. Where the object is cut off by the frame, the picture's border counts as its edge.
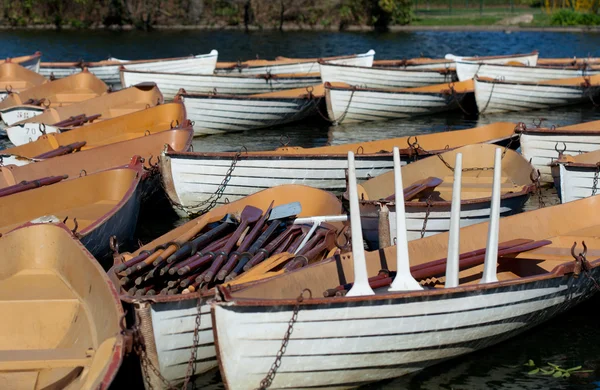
(595, 185)
(268, 379)
(139, 347)
(212, 200)
(426, 217)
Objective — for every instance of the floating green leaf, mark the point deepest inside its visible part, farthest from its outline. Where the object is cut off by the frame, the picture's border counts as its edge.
(557, 374)
(573, 369)
(534, 371)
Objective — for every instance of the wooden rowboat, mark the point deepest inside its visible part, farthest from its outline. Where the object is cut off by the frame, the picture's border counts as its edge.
(576, 177)
(15, 78)
(112, 105)
(521, 73)
(122, 128)
(95, 207)
(347, 104)
(449, 61)
(501, 96)
(383, 77)
(168, 321)
(230, 84)
(220, 113)
(451, 294)
(30, 62)
(292, 65)
(108, 70)
(428, 193)
(466, 68)
(542, 146)
(61, 313)
(33, 101)
(191, 178)
(101, 158)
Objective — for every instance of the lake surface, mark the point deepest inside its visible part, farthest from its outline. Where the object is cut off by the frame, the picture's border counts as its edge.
(570, 340)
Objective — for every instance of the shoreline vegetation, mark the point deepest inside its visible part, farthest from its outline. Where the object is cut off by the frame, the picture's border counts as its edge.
(304, 15)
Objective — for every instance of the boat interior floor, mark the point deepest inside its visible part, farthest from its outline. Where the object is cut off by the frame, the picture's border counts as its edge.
(542, 259)
(476, 184)
(34, 351)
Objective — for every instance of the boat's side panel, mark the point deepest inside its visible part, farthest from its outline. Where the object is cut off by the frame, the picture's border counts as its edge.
(196, 179)
(575, 182)
(170, 83)
(347, 105)
(32, 64)
(492, 97)
(174, 324)
(15, 114)
(467, 69)
(365, 59)
(202, 64)
(347, 344)
(121, 224)
(382, 77)
(438, 218)
(542, 149)
(214, 115)
(526, 73)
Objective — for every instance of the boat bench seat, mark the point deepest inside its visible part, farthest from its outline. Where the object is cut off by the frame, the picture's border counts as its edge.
(40, 359)
(126, 109)
(67, 98)
(88, 213)
(16, 84)
(32, 284)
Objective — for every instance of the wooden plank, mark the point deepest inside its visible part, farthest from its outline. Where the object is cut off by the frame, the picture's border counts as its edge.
(40, 359)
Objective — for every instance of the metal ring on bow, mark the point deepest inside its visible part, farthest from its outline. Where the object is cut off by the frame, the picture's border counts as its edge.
(42, 128)
(82, 173)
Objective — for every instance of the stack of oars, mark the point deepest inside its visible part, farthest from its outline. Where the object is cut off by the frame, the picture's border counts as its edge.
(209, 255)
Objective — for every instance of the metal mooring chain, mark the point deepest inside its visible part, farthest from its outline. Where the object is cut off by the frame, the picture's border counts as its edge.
(268, 379)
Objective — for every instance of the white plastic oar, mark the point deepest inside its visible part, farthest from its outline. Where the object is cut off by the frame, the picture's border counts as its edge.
(316, 221)
(452, 266)
(403, 280)
(491, 250)
(361, 277)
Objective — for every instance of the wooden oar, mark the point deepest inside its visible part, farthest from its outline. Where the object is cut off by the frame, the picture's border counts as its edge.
(77, 120)
(289, 234)
(306, 257)
(199, 258)
(249, 215)
(62, 150)
(245, 244)
(28, 185)
(417, 188)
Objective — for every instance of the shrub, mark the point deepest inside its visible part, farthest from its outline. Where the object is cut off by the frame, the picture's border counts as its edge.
(567, 17)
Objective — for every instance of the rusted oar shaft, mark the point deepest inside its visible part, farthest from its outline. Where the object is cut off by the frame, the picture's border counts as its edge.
(190, 248)
(78, 120)
(133, 261)
(249, 215)
(62, 150)
(249, 239)
(192, 259)
(28, 185)
(282, 241)
(254, 248)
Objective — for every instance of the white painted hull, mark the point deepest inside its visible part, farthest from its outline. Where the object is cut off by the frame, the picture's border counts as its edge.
(217, 114)
(203, 64)
(492, 97)
(345, 345)
(438, 220)
(15, 114)
(33, 64)
(348, 106)
(22, 134)
(467, 69)
(526, 74)
(365, 59)
(19, 161)
(196, 178)
(368, 77)
(573, 183)
(541, 149)
(170, 83)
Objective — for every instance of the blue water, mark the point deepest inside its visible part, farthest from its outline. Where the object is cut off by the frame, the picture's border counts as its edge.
(570, 340)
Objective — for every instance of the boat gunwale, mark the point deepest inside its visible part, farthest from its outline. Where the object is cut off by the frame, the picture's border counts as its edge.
(442, 71)
(404, 91)
(204, 96)
(489, 80)
(556, 131)
(559, 271)
(107, 62)
(227, 65)
(263, 76)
